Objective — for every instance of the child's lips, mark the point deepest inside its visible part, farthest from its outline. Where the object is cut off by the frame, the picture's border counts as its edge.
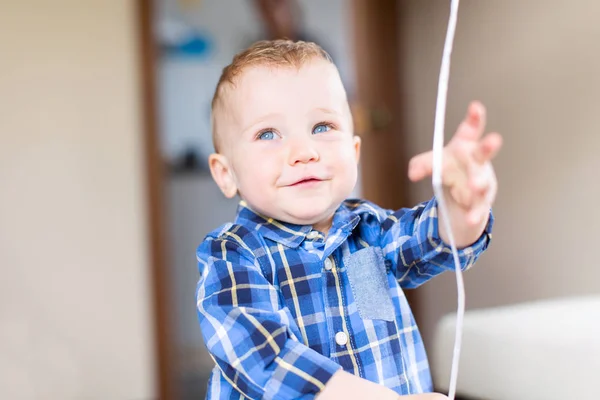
(306, 182)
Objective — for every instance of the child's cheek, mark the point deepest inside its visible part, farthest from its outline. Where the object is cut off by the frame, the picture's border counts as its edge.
(346, 153)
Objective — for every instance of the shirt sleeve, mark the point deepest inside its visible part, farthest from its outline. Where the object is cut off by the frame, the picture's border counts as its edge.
(248, 333)
(413, 248)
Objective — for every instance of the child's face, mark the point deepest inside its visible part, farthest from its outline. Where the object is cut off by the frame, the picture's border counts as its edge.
(288, 143)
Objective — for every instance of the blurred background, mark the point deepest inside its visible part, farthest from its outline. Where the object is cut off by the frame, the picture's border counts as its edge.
(105, 194)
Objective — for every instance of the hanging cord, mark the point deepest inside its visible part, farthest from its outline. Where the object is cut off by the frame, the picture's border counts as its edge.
(438, 144)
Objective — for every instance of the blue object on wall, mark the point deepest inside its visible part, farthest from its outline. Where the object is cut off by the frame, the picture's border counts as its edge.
(196, 45)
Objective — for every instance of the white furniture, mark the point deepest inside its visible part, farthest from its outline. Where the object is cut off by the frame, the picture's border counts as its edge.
(541, 350)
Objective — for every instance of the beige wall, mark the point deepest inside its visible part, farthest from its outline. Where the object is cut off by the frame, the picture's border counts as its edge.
(535, 64)
(75, 321)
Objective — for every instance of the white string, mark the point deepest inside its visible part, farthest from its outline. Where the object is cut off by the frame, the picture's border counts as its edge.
(438, 144)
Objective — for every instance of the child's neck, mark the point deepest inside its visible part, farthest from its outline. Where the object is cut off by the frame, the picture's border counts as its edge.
(323, 226)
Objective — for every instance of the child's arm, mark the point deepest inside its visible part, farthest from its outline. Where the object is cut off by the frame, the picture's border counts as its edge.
(414, 250)
(414, 241)
(254, 341)
(467, 175)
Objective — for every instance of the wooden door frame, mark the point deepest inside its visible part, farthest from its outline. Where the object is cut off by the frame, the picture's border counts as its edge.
(156, 210)
(378, 107)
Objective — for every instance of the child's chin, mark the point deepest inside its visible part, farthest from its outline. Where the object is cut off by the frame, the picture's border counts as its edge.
(309, 215)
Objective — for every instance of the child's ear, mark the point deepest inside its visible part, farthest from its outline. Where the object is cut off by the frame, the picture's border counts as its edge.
(357, 142)
(222, 174)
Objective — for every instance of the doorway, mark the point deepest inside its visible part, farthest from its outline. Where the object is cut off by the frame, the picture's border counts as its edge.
(185, 44)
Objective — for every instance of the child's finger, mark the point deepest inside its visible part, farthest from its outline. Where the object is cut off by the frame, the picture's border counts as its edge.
(472, 127)
(485, 193)
(420, 166)
(480, 177)
(488, 147)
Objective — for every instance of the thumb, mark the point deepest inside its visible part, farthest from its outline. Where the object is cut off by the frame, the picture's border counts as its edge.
(420, 166)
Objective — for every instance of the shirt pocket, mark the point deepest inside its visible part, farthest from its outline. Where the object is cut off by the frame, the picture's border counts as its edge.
(367, 274)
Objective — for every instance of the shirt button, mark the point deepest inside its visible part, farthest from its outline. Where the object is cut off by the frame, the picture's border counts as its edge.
(341, 338)
(328, 264)
(312, 235)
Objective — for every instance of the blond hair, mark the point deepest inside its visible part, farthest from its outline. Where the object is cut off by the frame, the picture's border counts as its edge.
(276, 53)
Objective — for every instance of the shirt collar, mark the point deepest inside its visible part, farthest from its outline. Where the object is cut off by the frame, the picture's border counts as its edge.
(290, 235)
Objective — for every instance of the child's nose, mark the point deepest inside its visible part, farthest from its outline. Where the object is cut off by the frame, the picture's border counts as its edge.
(302, 151)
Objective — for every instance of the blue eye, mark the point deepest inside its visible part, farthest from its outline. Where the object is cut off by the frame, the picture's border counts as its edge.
(266, 135)
(321, 128)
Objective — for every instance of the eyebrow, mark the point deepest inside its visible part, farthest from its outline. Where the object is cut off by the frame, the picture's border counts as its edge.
(328, 111)
(260, 120)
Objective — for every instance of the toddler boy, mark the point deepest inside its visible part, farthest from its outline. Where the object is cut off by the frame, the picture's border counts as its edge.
(303, 294)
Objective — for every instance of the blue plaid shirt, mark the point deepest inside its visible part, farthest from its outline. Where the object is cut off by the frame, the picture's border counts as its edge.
(282, 307)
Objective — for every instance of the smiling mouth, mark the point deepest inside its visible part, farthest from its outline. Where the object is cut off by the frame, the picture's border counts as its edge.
(306, 181)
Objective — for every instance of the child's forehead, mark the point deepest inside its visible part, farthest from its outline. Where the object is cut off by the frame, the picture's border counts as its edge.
(277, 86)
